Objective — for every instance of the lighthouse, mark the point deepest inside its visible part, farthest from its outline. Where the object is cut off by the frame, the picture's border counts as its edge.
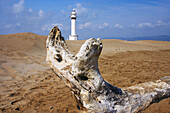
(73, 17)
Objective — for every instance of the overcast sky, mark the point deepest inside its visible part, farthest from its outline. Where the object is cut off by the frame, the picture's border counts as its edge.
(96, 18)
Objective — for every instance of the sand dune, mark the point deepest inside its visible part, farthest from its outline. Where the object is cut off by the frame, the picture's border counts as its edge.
(28, 85)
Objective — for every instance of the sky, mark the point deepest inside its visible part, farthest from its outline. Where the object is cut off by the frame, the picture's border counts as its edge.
(95, 18)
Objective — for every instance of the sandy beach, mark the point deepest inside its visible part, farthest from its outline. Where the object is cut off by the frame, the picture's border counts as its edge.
(27, 84)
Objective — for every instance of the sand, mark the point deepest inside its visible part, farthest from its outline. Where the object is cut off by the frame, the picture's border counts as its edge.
(27, 84)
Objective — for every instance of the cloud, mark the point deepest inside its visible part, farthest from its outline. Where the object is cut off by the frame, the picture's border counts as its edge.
(40, 13)
(20, 18)
(151, 25)
(161, 23)
(18, 7)
(30, 10)
(58, 24)
(80, 9)
(12, 26)
(132, 25)
(118, 26)
(104, 25)
(8, 26)
(18, 24)
(62, 11)
(147, 24)
(49, 27)
(85, 25)
(46, 28)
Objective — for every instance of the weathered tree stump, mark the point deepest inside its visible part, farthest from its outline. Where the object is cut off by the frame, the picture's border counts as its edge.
(93, 94)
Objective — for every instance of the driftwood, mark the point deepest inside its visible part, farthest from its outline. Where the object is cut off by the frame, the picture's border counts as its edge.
(93, 94)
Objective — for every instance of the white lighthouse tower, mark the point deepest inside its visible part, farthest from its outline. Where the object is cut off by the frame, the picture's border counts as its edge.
(73, 17)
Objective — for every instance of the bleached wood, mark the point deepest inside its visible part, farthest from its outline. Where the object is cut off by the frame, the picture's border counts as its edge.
(93, 94)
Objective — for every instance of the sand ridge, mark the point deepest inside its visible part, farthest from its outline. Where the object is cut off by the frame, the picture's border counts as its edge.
(28, 85)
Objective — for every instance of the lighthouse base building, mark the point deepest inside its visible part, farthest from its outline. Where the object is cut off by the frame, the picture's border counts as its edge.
(73, 37)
